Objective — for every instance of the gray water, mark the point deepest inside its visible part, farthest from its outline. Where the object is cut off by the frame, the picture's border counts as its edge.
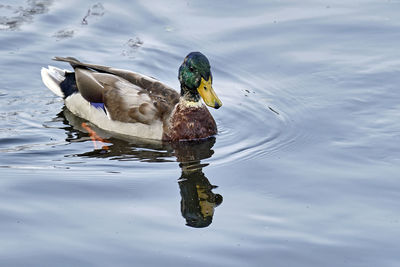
(304, 170)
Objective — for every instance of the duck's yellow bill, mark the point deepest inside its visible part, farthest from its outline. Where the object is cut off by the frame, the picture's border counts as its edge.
(207, 93)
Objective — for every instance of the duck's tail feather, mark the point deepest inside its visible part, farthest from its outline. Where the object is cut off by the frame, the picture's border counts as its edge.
(71, 60)
(61, 82)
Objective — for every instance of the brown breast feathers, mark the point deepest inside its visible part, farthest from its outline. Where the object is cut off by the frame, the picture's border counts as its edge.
(188, 123)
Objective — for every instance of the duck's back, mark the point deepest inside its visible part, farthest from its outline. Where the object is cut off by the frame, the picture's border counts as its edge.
(154, 88)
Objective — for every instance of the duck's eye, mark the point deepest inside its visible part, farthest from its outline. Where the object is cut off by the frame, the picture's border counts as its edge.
(191, 69)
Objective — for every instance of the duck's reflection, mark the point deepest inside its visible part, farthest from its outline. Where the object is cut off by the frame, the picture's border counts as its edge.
(198, 201)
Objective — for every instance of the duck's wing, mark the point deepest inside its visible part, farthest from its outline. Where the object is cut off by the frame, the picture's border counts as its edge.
(127, 96)
(154, 88)
(127, 102)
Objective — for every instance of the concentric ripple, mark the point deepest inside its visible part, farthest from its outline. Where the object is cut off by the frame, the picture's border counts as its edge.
(255, 122)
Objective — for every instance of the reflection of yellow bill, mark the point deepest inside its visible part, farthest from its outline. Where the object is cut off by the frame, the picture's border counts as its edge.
(207, 93)
(207, 208)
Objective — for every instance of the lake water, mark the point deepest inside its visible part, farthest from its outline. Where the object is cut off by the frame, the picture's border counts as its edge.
(305, 170)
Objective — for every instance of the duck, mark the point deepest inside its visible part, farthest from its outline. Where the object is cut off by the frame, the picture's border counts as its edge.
(134, 104)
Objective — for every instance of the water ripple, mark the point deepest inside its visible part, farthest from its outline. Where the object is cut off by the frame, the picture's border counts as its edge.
(18, 15)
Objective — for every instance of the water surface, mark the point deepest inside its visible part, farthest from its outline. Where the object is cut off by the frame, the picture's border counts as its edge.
(304, 170)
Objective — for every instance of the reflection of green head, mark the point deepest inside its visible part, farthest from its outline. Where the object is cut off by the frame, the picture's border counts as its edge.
(198, 201)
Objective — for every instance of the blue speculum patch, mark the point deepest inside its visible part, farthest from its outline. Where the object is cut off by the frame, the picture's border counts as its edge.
(98, 105)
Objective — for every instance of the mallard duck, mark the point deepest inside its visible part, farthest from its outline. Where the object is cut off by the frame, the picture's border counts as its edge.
(134, 104)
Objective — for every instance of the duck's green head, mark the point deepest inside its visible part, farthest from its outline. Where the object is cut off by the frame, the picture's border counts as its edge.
(196, 80)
